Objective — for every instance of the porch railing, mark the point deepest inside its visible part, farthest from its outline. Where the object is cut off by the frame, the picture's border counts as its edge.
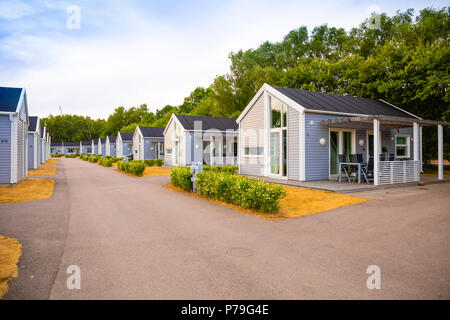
(399, 171)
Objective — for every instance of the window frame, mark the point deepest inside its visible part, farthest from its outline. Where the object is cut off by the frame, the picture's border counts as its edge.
(407, 145)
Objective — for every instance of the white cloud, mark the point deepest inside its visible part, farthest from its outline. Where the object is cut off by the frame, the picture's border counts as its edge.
(15, 9)
(136, 57)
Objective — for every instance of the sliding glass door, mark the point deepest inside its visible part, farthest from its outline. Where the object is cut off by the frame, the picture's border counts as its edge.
(341, 142)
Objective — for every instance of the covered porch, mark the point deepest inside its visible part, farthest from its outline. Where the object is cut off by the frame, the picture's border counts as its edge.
(388, 169)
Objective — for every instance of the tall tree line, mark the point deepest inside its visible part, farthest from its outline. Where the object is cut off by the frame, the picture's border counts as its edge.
(404, 61)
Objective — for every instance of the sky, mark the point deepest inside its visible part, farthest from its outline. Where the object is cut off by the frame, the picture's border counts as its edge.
(92, 56)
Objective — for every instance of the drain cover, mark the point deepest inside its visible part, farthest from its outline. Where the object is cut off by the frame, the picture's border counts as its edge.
(239, 252)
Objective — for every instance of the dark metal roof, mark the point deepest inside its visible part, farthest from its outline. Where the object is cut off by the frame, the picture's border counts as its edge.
(126, 136)
(42, 132)
(71, 144)
(221, 124)
(95, 142)
(9, 98)
(103, 140)
(56, 144)
(86, 143)
(112, 139)
(345, 104)
(152, 132)
(33, 124)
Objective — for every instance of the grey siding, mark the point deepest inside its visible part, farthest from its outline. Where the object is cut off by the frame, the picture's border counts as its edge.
(316, 155)
(21, 162)
(5, 149)
(112, 149)
(252, 135)
(31, 151)
(293, 144)
(148, 144)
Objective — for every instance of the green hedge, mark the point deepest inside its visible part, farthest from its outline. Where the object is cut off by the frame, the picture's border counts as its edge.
(57, 155)
(181, 177)
(242, 191)
(224, 169)
(153, 162)
(105, 162)
(135, 167)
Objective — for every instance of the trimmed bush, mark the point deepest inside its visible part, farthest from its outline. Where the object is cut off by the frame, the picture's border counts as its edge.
(153, 162)
(181, 177)
(135, 167)
(242, 191)
(106, 162)
(225, 169)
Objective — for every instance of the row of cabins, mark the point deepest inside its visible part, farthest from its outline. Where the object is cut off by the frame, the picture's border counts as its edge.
(290, 134)
(24, 140)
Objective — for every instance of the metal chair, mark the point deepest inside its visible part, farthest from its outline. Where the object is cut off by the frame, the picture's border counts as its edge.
(367, 171)
(342, 158)
(391, 157)
(353, 169)
(359, 158)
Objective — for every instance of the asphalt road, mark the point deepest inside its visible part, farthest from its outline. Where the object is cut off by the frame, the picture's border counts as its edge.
(134, 239)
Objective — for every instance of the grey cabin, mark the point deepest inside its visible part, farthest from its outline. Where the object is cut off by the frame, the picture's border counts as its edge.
(301, 135)
(124, 144)
(14, 122)
(194, 139)
(110, 146)
(148, 143)
(34, 145)
(85, 147)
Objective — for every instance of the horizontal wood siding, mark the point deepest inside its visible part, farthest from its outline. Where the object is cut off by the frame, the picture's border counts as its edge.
(5, 149)
(168, 144)
(293, 144)
(252, 135)
(316, 155)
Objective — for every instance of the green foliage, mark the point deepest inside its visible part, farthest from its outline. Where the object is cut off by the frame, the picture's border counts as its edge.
(135, 167)
(105, 162)
(225, 169)
(242, 191)
(153, 162)
(57, 155)
(181, 177)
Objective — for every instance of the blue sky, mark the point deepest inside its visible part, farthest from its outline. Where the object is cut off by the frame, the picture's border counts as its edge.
(155, 52)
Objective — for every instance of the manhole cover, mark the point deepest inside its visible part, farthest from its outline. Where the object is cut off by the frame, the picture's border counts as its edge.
(240, 252)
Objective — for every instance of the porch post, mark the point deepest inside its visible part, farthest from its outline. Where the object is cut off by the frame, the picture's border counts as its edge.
(159, 150)
(211, 147)
(440, 153)
(421, 149)
(416, 140)
(376, 151)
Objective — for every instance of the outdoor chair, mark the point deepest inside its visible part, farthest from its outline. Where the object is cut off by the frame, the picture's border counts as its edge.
(367, 171)
(344, 169)
(353, 169)
(359, 158)
(391, 157)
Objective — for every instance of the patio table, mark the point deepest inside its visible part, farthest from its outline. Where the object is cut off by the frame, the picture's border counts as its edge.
(359, 164)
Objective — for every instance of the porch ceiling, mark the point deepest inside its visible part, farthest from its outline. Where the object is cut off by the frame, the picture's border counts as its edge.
(366, 122)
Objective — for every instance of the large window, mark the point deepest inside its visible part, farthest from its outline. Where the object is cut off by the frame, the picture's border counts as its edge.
(402, 146)
(278, 137)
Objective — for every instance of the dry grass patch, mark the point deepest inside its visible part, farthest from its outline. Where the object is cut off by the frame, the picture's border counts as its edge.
(28, 190)
(10, 251)
(42, 171)
(155, 171)
(52, 162)
(299, 202)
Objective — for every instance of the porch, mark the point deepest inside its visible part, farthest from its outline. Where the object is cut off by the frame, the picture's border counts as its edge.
(346, 187)
(389, 169)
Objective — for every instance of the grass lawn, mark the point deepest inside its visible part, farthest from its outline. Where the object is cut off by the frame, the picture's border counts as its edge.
(52, 162)
(42, 171)
(432, 170)
(28, 190)
(155, 171)
(299, 202)
(10, 251)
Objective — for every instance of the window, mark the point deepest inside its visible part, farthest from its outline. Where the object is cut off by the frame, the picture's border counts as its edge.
(235, 149)
(168, 151)
(253, 151)
(277, 113)
(402, 147)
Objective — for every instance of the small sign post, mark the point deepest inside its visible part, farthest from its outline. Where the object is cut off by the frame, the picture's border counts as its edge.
(195, 168)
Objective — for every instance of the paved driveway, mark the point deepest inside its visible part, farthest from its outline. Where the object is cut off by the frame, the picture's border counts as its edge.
(133, 239)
